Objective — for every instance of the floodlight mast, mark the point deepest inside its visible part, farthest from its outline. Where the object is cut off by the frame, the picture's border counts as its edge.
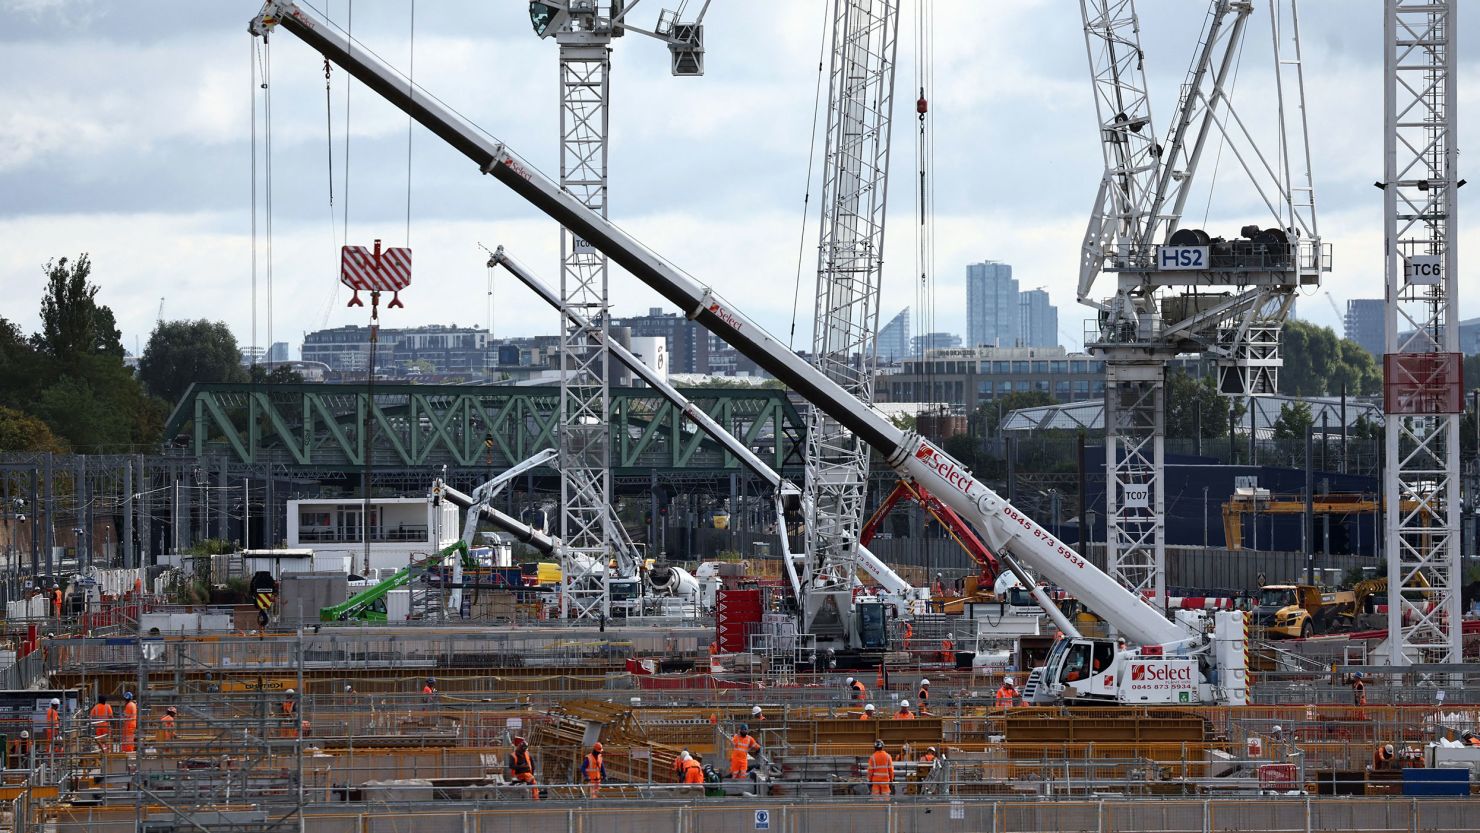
(910, 455)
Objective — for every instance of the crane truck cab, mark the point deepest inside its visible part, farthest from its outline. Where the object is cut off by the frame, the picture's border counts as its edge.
(1087, 671)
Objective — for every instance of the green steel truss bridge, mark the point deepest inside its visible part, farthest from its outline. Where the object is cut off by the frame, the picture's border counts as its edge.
(325, 427)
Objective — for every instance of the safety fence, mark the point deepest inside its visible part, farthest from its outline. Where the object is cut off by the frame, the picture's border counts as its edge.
(1286, 815)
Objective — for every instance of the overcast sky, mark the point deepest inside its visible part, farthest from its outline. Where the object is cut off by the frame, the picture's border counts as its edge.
(126, 132)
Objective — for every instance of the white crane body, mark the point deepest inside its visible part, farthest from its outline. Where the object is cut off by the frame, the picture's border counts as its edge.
(1001, 524)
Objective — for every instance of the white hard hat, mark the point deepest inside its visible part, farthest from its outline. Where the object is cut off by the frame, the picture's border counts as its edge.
(869, 707)
(25, 733)
(290, 692)
(848, 681)
(55, 702)
(1387, 747)
(904, 704)
(925, 683)
(950, 636)
(685, 756)
(1277, 729)
(1008, 681)
(755, 709)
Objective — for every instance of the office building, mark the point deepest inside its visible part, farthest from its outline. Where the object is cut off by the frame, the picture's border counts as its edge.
(1038, 325)
(925, 342)
(435, 348)
(688, 345)
(992, 314)
(894, 338)
(1364, 324)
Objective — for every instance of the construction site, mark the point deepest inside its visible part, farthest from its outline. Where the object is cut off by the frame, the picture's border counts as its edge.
(637, 605)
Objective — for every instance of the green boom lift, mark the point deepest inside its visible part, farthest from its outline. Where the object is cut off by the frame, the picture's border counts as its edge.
(363, 605)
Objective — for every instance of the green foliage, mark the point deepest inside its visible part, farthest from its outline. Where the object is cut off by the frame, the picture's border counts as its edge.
(965, 448)
(904, 422)
(993, 412)
(1318, 362)
(72, 323)
(71, 375)
(1294, 420)
(182, 353)
(211, 546)
(1193, 404)
(22, 432)
(280, 375)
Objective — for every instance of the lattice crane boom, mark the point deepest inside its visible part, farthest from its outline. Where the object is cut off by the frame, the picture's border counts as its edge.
(849, 267)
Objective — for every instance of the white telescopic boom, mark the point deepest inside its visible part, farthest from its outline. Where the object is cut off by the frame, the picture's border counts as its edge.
(912, 456)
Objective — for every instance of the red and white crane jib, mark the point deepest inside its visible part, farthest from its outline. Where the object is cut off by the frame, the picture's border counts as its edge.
(910, 455)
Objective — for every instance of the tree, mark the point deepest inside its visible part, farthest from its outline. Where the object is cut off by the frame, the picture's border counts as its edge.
(992, 413)
(21, 372)
(72, 323)
(181, 353)
(1317, 363)
(1294, 420)
(1194, 405)
(281, 375)
(22, 432)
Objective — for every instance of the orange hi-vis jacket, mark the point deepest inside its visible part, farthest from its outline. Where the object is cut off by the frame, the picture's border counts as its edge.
(1006, 697)
(742, 746)
(904, 714)
(102, 720)
(880, 767)
(691, 772)
(53, 724)
(859, 692)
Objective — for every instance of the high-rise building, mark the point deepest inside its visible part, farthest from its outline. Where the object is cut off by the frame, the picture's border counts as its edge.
(894, 338)
(278, 352)
(992, 315)
(933, 341)
(1364, 324)
(1038, 324)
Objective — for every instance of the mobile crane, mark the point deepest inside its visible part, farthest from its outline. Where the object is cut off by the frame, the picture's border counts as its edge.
(1196, 658)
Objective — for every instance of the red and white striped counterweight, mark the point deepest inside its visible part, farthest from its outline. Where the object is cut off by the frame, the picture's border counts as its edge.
(380, 270)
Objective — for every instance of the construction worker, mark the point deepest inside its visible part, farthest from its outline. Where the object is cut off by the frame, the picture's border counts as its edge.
(923, 697)
(1470, 738)
(1382, 756)
(429, 689)
(909, 634)
(289, 709)
(867, 713)
(904, 712)
(593, 770)
(56, 600)
(857, 689)
(1007, 694)
(54, 726)
(880, 771)
(938, 587)
(101, 718)
(167, 724)
(20, 751)
(756, 715)
(948, 649)
(1359, 693)
(690, 771)
(714, 647)
(130, 721)
(521, 767)
(742, 746)
(929, 756)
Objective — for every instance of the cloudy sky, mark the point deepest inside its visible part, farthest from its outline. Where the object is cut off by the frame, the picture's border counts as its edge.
(126, 132)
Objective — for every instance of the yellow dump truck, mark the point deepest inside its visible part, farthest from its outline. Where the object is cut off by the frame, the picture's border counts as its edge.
(1302, 610)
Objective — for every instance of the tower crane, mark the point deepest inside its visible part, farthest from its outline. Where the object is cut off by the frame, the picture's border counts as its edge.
(850, 253)
(1182, 290)
(584, 30)
(1423, 397)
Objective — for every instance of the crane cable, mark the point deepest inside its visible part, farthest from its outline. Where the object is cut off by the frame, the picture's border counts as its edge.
(807, 195)
(924, 158)
(410, 122)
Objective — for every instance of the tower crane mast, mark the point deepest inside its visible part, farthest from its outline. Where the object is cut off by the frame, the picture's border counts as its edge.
(849, 265)
(584, 30)
(1182, 290)
(1423, 398)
